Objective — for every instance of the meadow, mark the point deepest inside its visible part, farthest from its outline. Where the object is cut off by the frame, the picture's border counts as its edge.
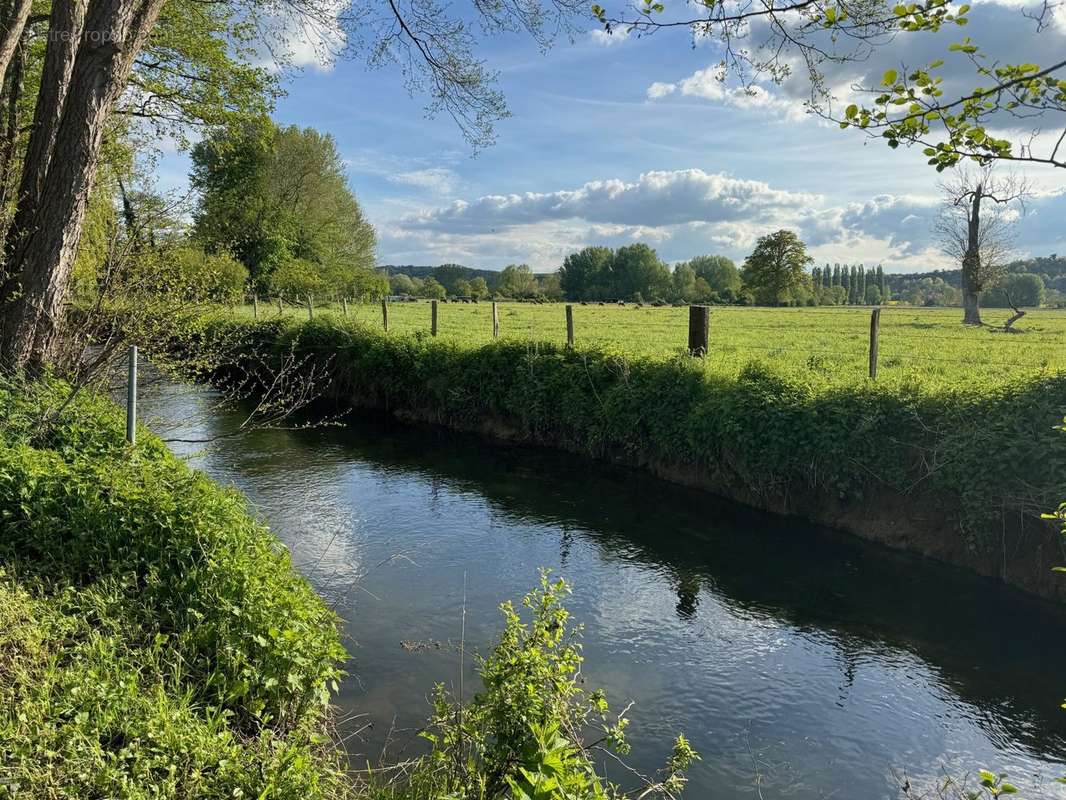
(834, 342)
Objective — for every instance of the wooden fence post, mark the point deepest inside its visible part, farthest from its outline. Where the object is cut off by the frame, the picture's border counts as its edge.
(385, 314)
(699, 325)
(433, 317)
(875, 329)
(255, 305)
(569, 325)
(495, 321)
(310, 308)
(131, 396)
(344, 302)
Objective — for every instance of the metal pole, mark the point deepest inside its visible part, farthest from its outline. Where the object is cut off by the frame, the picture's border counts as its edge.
(131, 397)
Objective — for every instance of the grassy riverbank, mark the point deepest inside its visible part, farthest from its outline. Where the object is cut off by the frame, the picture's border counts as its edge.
(155, 641)
(957, 469)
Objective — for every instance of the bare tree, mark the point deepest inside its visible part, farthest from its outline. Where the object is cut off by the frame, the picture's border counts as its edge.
(976, 228)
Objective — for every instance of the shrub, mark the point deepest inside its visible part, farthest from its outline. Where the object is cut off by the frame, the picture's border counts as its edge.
(523, 735)
(173, 643)
(773, 433)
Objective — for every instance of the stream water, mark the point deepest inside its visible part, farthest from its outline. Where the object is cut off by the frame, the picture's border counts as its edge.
(800, 663)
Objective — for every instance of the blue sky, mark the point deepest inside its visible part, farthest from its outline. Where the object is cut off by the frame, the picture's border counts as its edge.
(620, 139)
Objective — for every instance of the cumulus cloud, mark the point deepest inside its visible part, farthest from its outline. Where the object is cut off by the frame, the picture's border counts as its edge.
(903, 223)
(711, 84)
(682, 213)
(654, 199)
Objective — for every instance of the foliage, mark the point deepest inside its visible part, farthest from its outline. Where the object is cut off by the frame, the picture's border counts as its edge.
(432, 289)
(776, 268)
(298, 279)
(764, 421)
(196, 275)
(198, 68)
(1018, 288)
(516, 280)
(272, 196)
(584, 274)
(158, 642)
(524, 735)
(720, 272)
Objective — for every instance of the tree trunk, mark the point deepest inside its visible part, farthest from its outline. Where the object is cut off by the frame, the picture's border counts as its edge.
(44, 241)
(971, 263)
(971, 307)
(11, 36)
(65, 27)
(12, 94)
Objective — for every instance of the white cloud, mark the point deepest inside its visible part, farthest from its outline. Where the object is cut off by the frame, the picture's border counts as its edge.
(290, 37)
(658, 89)
(710, 84)
(604, 39)
(439, 180)
(654, 199)
(682, 213)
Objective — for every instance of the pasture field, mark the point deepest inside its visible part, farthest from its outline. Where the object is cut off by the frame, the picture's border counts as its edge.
(830, 341)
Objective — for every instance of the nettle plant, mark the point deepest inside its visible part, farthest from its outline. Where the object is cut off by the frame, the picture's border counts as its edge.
(533, 732)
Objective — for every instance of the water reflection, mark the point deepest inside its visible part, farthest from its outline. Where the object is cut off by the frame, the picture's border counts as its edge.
(800, 662)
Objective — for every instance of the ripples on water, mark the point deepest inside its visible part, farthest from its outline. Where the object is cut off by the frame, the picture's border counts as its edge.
(800, 663)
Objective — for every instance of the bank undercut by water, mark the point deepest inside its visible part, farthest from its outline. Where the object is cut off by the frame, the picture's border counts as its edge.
(957, 472)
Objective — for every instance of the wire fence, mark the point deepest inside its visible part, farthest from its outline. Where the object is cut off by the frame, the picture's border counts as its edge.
(850, 338)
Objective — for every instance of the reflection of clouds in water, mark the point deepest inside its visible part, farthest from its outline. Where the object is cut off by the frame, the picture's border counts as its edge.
(817, 674)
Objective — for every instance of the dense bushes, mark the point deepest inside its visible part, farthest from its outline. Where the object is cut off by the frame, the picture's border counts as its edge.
(156, 641)
(980, 456)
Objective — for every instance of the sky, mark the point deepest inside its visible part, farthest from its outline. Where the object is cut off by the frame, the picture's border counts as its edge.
(615, 139)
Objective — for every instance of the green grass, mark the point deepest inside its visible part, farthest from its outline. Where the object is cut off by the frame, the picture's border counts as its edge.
(155, 641)
(915, 343)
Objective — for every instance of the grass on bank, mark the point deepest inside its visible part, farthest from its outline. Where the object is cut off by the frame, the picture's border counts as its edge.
(156, 642)
(976, 452)
(154, 638)
(913, 341)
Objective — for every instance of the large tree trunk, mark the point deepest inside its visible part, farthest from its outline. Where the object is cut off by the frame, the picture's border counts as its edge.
(44, 240)
(14, 23)
(67, 22)
(971, 307)
(12, 95)
(971, 263)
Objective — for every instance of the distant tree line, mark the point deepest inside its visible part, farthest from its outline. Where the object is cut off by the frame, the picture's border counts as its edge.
(856, 284)
(1029, 282)
(777, 272)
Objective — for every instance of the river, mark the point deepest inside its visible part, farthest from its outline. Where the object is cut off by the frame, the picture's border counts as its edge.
(801, 663)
